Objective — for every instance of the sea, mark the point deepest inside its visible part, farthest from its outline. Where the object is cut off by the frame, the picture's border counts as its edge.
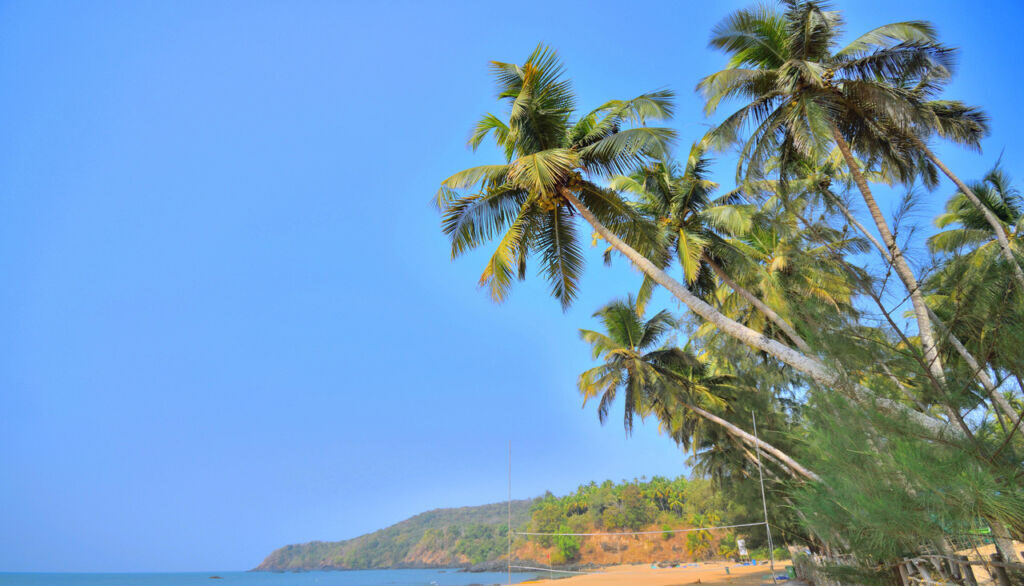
(347, 578)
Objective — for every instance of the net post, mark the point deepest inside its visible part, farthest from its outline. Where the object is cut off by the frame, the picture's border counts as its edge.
(508, 529)
(764, 501)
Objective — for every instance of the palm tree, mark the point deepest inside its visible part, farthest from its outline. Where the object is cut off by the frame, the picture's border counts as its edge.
(816, 181)
(679, 199)
(967, 227)
(804, 95)
(970, 286)
(676, 502)
(668, 382)
(719, 457)
(528, 202)
(966, 125)
(550, 160)
(799, 271)
(700, 543)
(633, 363)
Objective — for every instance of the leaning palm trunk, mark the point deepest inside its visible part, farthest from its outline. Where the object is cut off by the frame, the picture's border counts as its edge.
(1004, 542)
(979, 372)
(899, 263)
(768, 471)
(768, 312)
(754, 441)
(997, 227)
(813, 368)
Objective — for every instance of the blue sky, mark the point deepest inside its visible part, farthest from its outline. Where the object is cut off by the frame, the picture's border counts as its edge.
(228, 319)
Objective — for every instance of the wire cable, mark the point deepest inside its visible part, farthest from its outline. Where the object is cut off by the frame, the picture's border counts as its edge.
(643, 532)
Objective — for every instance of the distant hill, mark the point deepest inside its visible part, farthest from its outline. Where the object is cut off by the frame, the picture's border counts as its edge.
(438, 538)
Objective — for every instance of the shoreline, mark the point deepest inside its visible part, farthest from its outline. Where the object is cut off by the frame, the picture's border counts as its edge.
(693, 573)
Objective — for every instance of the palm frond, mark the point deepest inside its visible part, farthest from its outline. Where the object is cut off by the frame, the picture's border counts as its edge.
(503, 266)
(472, 220)
(493, 174)
(888, 35)
(622, 151)
(753, 37)
(559, 247)
(492, 124)
(540, 172)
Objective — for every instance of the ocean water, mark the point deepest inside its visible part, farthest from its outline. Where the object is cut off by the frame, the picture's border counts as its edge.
(351, 578)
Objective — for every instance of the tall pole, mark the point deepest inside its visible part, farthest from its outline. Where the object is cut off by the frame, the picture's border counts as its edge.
(764, 502)
(509, 527)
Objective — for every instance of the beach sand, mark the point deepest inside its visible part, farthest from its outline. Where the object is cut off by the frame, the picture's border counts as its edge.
(644, 575)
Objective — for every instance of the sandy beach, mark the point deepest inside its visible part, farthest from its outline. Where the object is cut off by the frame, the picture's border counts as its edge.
(644, 575)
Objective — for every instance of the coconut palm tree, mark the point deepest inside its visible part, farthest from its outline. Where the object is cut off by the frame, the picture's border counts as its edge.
(701, 543)
(634, 363)
(679, 199)
(965, 227)
(804, 95)
(962, 124)
(548, 156)
(970, 286)
(668, 382)
(801, 272)
(816, 183)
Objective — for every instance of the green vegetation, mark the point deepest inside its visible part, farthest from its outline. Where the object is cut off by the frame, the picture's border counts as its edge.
(568, 546)
(886, 372)
(635, 505)
(640, 505)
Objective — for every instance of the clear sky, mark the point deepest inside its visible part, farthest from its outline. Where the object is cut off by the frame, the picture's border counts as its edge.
(228, 319)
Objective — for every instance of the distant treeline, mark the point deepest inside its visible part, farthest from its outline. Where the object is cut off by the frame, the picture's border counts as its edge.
(630, 505)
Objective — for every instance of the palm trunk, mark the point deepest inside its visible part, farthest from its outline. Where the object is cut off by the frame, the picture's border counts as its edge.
(770, 458)
(813, 368)
(991, 218)
(856, 223)
(761, 306)
(1004, 542)
(979, 372)
(750, 439)
(899, 263)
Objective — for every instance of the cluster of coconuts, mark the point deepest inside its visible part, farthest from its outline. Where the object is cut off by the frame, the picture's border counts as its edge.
(550, 200)
(829, 74)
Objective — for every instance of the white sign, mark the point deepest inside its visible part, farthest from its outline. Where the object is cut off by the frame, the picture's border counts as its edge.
(741, 546)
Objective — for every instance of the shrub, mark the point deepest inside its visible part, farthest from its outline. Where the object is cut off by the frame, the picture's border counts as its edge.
(568, 545)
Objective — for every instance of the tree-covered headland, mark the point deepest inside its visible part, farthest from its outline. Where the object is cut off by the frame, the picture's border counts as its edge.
(439, 538)
(471, 536)
(881, 353)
